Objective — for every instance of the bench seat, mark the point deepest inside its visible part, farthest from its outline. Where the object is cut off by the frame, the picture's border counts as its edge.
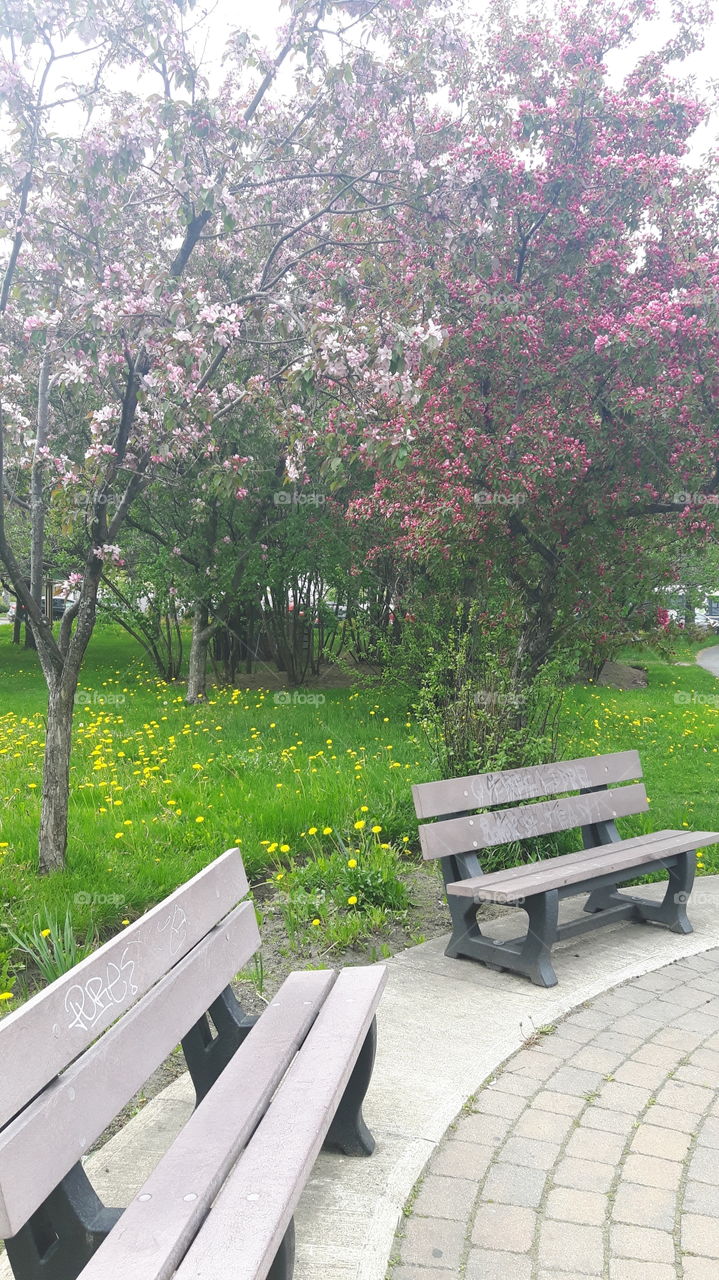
(268, 1115)
(568, 870)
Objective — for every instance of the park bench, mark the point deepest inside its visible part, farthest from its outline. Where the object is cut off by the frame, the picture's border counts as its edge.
(604, 862)
(271, 1091)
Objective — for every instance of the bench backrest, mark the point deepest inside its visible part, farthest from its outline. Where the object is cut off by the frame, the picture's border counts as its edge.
(75, 1054)
(592, 775)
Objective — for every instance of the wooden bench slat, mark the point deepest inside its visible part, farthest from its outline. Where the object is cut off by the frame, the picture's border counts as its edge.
(40, 1038)
(45, 1140)
(252, 1211)
(483, 790)
(157, 1227)
(509, 874)
(606, 859)
(466, 834)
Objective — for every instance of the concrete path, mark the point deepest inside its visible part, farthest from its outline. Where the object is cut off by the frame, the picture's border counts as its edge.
(593, 1152)
(709, 659)
(445, 1026)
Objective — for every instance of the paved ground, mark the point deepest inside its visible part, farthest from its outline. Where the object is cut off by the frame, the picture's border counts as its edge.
(594, 1151)
(709, 659)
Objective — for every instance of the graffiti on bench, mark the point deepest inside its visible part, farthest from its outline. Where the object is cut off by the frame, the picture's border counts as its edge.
(87, 1002)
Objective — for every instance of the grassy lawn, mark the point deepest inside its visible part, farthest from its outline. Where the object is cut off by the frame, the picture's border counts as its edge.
(674, 730)
(159, 788)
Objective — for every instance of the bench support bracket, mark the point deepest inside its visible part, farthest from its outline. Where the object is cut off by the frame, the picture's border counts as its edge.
(207, 1055)
(530, 955)
(60, 1238)
(463, 911)
(348, 1132)
(284, 1263)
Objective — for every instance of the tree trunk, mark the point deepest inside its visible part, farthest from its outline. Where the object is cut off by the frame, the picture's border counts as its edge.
(202, 633)
(37, 494)
(56, 775)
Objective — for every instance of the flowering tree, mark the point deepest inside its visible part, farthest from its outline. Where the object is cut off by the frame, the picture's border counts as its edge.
(157, 235)
(548, 418)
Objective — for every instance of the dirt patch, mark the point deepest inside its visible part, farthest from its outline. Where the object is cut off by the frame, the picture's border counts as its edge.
(620, 676)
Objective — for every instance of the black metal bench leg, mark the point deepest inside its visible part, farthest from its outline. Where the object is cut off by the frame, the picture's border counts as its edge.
(464, 925)
(463, 911)
(207, 1055)
(60, 1238)
(672, 910)
(535, 956)
(348, 1132)
(284, 1263)
(601, 899)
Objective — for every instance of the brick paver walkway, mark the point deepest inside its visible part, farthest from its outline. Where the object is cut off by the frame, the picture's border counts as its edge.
(594, 1151)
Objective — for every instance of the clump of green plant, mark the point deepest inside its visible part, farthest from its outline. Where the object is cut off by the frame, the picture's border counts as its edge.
(343, 890)
(52, 945)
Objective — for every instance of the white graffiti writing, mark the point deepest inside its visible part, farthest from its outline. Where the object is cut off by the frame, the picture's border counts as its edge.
(177, 925)
(89, 1001)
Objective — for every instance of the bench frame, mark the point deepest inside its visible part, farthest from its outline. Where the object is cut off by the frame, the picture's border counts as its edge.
(530, 953)
(61, 1236)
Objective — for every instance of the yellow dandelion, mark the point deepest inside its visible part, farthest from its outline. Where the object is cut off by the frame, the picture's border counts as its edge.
(360, 825)
(284, 848)
(119, 835)
(45, 933)
(352, 862)
(327, 831)
(124, 921)
(364, 808)
(312, 831)
(376, 830)
(315, 922)
(6, 995)
(352, 900)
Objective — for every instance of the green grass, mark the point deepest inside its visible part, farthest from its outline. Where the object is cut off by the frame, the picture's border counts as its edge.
(160, 788)
(678, 740)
